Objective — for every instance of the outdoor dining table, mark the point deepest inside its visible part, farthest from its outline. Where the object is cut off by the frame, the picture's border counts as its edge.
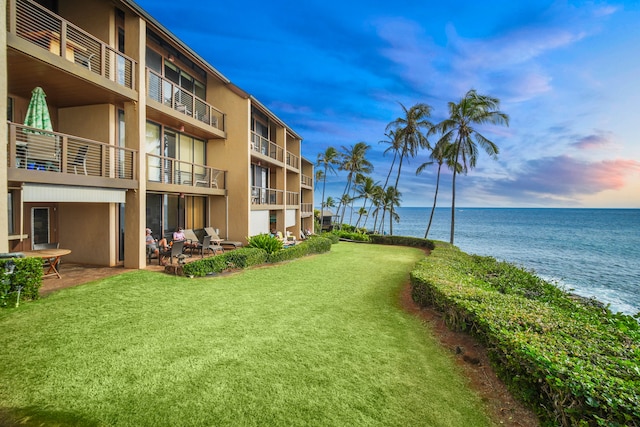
(53, 255)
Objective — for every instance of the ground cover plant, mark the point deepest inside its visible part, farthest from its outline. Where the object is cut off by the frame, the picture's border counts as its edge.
(321, 340)
(574, 362)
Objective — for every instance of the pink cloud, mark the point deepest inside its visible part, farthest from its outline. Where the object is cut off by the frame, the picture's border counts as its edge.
(591, 142)
(564, 176)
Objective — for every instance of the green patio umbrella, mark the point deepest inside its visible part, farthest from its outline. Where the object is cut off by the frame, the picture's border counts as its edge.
(37, 112)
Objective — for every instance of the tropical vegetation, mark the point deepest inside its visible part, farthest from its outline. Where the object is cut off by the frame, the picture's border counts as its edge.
(458, 142)
(572, 360)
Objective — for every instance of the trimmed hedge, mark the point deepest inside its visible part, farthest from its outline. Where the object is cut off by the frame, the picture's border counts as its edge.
(238, 258)
(316, 245)
(26, 274)
(327, 235)
(575, 363)
(247, 257)
(417, 242)
(351, 235)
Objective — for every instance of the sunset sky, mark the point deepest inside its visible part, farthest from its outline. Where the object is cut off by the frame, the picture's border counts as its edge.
(567, 73)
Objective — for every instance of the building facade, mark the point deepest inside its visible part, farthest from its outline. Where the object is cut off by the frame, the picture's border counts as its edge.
(145, 134)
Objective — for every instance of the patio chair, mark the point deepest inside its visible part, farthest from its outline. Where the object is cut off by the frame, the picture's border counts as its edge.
(192, 243)
(214, 236)
(81, 159)
(175, 251)
(207, 246)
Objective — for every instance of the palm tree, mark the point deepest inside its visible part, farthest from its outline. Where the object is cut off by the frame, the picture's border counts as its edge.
(394, 145)
(327, 159)
(411, 132)
(353, 161)
(377, 196)
(391, 199)
(361, 211)
(365, 191)
(344, 201)
(472, 109)
(440, 153)
(319, 177)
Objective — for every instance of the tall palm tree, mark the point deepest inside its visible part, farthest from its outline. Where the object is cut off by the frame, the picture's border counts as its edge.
(327, 160)
(394, 145)
(411, 131)
(391, 199)
(361, 211)
(365, 191)
(377, 196)
(319, 177)
(440, 153)
(353, 161)
(458, 127)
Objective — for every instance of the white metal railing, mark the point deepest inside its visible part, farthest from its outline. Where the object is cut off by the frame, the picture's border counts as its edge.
(44, 28)
(173, 96)
(266, 196)
(168, 170)
(262, 145)
(37, 150)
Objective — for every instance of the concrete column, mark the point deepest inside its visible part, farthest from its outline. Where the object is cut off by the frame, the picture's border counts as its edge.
(4, 217)
(134, 123)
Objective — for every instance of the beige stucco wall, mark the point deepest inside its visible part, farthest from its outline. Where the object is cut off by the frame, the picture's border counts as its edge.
(85, 229)
(95, 122)
(90, 16)
(233, 155)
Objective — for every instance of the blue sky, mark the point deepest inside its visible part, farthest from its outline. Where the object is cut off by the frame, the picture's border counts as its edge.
(567, 73)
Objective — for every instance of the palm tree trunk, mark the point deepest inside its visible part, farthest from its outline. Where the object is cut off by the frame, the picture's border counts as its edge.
(396, 187)
(324, 184)
(435, 198)
(453, 191)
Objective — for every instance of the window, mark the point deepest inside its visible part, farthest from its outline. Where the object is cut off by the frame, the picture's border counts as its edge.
(175, 145)
(39, 225)
(10, 212)
(10, 109)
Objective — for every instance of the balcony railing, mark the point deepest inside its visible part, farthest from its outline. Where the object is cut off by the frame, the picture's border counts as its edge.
(38, 150)
(306, 208)
(167, 170)
(43, 28)
(293, 198)
(306, 180)
(266, 147)
(293, 160)
(173, 96)
(266, 196)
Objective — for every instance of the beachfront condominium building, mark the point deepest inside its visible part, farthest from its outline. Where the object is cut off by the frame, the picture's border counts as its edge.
(144, 133)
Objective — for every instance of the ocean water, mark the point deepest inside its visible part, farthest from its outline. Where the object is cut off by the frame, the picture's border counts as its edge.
(592, 252)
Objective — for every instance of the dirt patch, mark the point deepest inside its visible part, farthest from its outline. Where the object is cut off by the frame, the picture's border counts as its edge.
(472, 358)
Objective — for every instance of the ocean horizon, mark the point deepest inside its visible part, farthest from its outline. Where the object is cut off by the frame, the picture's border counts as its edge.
(593, 252)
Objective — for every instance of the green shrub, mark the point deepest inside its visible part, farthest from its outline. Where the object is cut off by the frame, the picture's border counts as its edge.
(311, 246)
(401, 241)
(266, 242)
(351, 235)
(574, 363)
(328, 235)
(246, 257)
(27, 274)
(239, 258)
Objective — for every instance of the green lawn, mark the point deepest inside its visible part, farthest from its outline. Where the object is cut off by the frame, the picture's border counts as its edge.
(316, 341)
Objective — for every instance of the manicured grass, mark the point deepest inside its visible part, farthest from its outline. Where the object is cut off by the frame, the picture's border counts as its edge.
(317, 341)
